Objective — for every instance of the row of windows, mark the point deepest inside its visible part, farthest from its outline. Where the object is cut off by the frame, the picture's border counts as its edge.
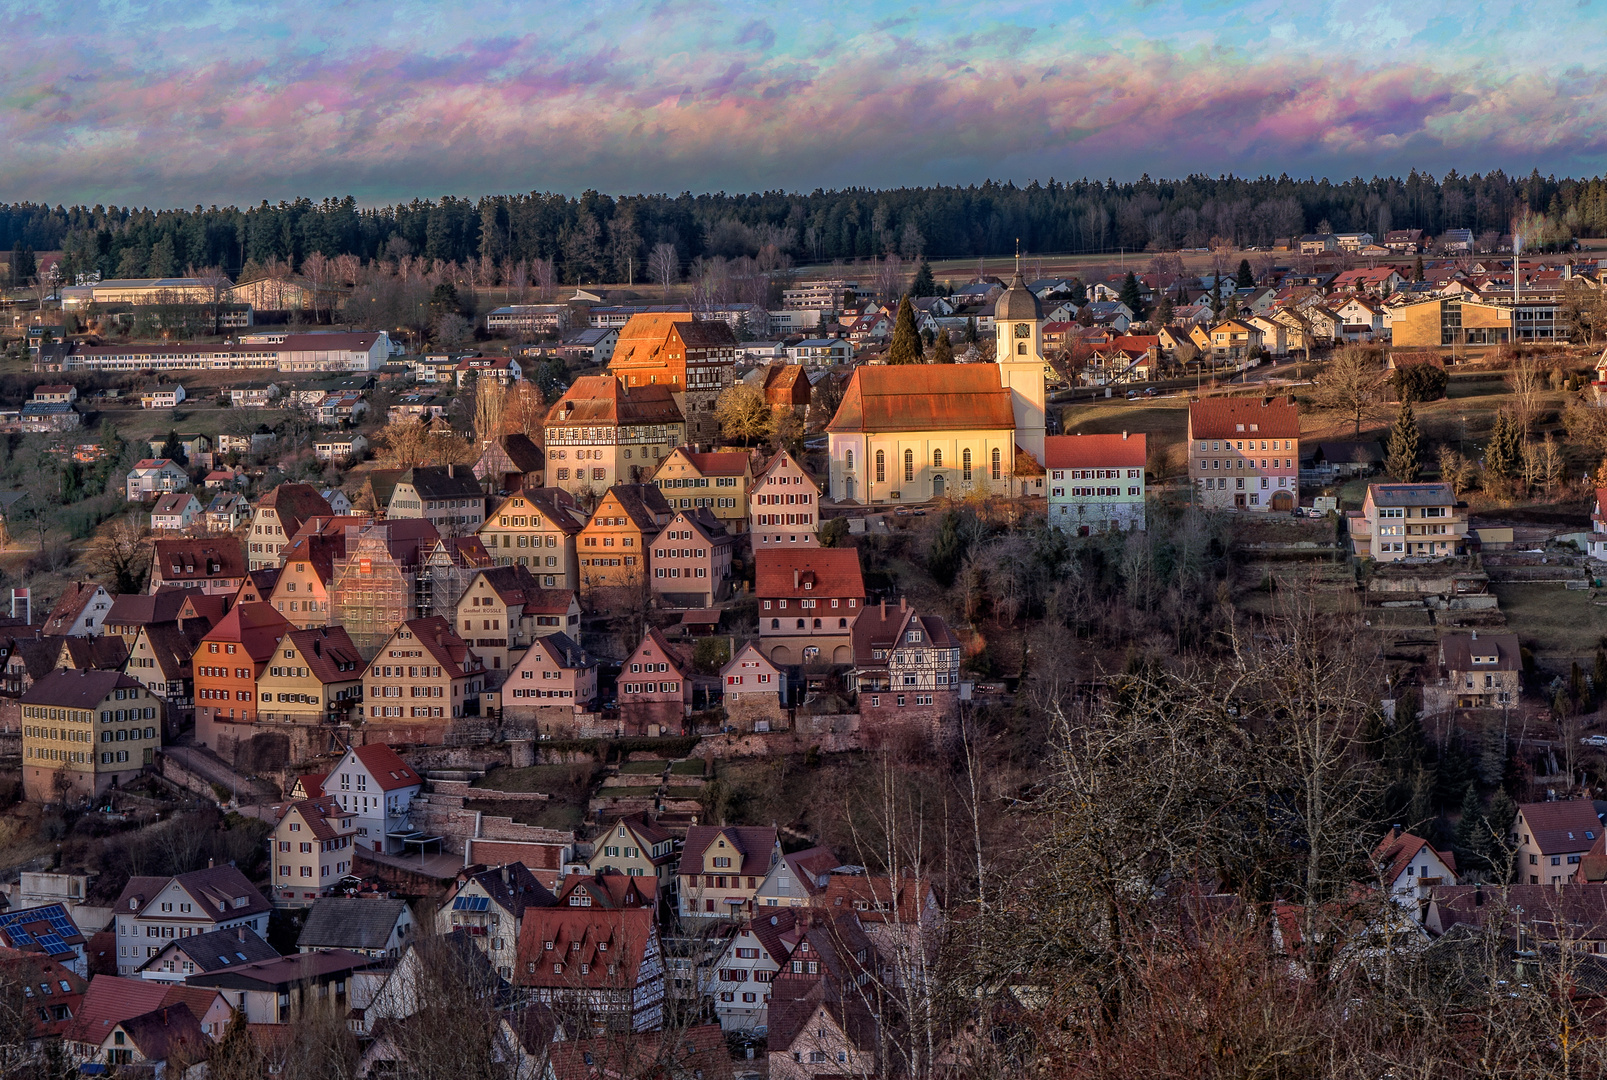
(1218, 463)
(648, 688)
(1097, 474)
(996, 460)
(1288, 444)
(1094, 493)
(675, 572)
(522, 693)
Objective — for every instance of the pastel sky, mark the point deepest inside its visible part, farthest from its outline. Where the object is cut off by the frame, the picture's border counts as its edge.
(178, 102)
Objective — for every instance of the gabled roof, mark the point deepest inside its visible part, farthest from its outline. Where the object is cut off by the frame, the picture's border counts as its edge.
(386, 767)
(809, 572)
(1396, 852)
(1222, 417)
(924, 397)
(74, 599)
(324, 815)
(255, 627)
(106, 652)
(713, 462)
(519, 451)
(222, 892)
(174, 502)
(198, 560)
(172, 646)
(644, 504)
(754, 843)
(604, 890)
(218, 949)
(877, 898)
(295, 503)
(554, 504)
(784, 458)
(881, 628)
(78, 689)
(590, 947)
(442, 482)
(441, 642)
(357, 923)
(48, 929)
(143, 609)
(604, 399)
(1560, 827)
(562, 650)
(643, 825)
(286, 971)
(654, 639)
(511, 887)
(328, 653)
(812, 868)
(1095, 451)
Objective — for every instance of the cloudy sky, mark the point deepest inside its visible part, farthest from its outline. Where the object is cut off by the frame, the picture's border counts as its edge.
(177, 102)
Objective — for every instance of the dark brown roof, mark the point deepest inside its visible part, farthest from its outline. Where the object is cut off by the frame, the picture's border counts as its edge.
(511, 886)
(108, 652)
(198, 560)
(449, 650)
(1481, 652)
(644, 504)
(609, 890)
(142, 609)
(755, 843)
(1558, 827)
(329, 653)
(442, 482)
(173, 647)
(74, 598)
(217, 889)
(77, 689)
(610, 944)
(296, 503)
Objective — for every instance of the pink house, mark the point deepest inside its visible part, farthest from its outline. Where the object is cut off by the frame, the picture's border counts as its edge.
(550, 684)
(755, 690)
(655, 691)
(692, 560)
(784, 505)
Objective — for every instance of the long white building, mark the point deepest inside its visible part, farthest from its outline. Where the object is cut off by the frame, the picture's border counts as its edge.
(293, 353)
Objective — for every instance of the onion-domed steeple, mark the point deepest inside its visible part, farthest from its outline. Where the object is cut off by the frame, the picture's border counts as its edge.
(1018, 303)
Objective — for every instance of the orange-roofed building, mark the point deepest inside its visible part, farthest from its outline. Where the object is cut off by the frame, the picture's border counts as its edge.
(913, 432)
(603, 432)
(718, 480)
(808, 600)
(1244, 453)
(226, 666)
(1096, 482)
(694, 358)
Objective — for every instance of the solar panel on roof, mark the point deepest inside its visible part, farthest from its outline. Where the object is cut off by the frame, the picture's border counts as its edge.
(471, 903)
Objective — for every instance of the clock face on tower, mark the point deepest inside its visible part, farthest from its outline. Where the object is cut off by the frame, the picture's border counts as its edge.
(1023, 329)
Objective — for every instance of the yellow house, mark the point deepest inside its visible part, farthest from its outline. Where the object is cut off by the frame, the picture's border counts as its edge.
(312, 850)
(536, 528)
(719, 480)
(315, 675)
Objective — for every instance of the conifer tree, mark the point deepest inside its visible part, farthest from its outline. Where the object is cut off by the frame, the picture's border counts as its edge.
(923, 285)
(1404, 440)
(1163, 311)
(1417, 269)
(1471, 829)
(1246, 278)
(906, 346)
(1132, 297)
(1079, 292)
(943, 350)
(1501, 456)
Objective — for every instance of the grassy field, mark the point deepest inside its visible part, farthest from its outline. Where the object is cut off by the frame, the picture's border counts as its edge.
(1164, 420)
(1553, 622)
(643, 768)
(689, 767)
(557, 781)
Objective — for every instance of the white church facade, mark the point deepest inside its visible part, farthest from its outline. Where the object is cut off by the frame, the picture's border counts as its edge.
(912, 432)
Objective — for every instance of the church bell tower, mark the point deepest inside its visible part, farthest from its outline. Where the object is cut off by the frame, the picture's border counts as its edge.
(1018, 319)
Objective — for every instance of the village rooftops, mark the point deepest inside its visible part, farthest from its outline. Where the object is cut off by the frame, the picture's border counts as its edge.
(1242, 417)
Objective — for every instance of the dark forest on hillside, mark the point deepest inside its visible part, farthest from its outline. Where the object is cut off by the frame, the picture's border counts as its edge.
(600, 237)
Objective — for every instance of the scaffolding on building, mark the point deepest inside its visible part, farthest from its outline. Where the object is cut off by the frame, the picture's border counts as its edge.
(373, 592)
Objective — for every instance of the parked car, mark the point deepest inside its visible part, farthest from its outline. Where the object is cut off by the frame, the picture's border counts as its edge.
(1594, 740)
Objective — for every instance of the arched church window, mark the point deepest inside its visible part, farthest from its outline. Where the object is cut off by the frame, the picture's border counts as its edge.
(850, 461)
(881, 466)
(937, 459)
(909, 466)
(996, 458)
(965, 464)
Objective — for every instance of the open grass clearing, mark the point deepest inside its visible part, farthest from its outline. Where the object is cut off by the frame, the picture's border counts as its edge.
(1553, 622)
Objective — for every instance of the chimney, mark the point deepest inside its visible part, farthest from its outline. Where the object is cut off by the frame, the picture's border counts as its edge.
(451, 470)
(240, 931)
(1475, 635)
(1124, 436)
(903, 604)
(884, 607)
(796, 577)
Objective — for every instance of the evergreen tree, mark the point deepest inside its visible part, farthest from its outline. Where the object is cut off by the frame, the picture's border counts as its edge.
(1132, 296)
(1404, 440)
(1598, 676)
(1470, 830)
(1079, 292)
(1501, 455)
(924, 284)
(906, 346)
(1216, 297)
(970, 330)
(1498, 820)
(1163, 311)
(174, 449)
(943, 350)
(1417, 269)
(949, 548)
(1182, 294)
(1246, 278)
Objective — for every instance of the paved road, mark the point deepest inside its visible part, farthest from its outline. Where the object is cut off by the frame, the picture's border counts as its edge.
(213, 769)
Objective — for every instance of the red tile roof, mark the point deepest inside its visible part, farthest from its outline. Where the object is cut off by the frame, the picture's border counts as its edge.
(386, 766)
(257, 628)
(610, 944)
(755, 843)
(604, 399)
(1095, 451)
(925, 397)
(450, 651)
(809, 572)
(1233, 417)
